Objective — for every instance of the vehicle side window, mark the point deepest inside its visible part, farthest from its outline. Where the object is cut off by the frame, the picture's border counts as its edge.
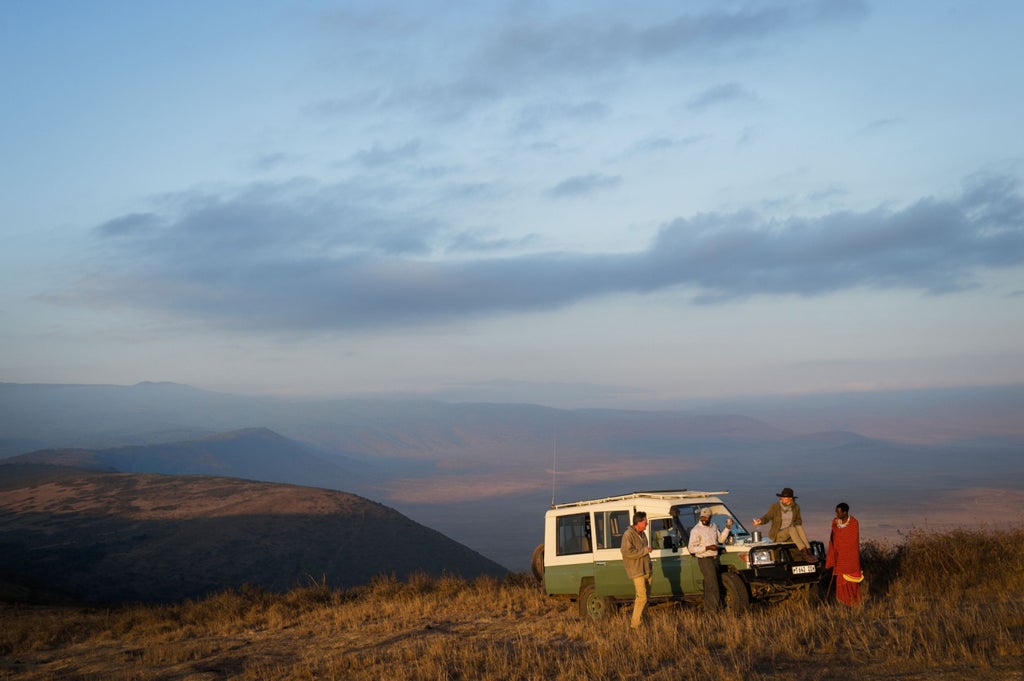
(664, 534)
(573, 534)
(610, 526)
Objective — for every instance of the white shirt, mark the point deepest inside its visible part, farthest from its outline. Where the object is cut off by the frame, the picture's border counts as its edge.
(706, 535)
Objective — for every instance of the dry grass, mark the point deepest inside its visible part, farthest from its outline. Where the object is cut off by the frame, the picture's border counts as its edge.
(942, 606)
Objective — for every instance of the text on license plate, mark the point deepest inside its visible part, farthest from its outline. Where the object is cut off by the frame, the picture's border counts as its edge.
(802, 569)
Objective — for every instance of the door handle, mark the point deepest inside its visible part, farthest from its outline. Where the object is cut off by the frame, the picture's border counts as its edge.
(600, 562)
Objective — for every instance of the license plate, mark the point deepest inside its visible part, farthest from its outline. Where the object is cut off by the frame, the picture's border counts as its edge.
(802, 569)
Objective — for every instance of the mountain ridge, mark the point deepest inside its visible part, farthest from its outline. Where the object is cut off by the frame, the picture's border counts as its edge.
(99, 416)
(249, 453)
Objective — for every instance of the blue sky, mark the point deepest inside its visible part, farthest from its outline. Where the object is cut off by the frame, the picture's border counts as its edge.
(588, 204)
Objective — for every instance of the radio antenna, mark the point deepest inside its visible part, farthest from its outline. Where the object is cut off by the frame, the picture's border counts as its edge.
(554, 466)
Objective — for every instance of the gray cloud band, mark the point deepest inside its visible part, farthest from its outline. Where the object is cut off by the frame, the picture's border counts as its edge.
(261, 261)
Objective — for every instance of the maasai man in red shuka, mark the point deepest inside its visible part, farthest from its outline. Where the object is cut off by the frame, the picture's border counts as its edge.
(844, 555)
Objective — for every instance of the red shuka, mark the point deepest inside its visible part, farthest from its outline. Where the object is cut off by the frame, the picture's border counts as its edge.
(844, 559)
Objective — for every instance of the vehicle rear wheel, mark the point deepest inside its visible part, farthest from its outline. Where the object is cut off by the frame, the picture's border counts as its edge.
(537, 563)
(737, 598)
(592, 606)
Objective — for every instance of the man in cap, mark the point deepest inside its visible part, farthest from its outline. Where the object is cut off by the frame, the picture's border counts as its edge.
(787, 524)
(704, 540)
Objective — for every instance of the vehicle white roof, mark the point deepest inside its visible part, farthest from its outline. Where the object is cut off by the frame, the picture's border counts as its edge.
(671, 495)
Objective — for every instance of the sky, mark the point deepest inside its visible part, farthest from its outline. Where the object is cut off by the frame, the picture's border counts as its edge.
(574, 204)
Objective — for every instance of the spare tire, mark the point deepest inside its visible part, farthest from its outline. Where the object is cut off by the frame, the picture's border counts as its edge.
(537, 563)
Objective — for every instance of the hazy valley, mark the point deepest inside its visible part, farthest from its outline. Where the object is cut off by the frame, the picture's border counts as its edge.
(483, 474)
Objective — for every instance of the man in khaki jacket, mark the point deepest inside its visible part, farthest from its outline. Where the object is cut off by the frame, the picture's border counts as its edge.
(636, 557)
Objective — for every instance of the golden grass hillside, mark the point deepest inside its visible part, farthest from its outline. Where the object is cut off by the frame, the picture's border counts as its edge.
(942, 606)
(134, 537)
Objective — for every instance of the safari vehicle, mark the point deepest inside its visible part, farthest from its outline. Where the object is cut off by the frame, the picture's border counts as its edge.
(580, 557)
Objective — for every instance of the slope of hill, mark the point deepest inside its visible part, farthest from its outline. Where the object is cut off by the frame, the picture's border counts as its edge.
(104, 536)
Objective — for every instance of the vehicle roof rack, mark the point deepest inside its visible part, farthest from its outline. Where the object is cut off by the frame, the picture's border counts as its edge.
(681, 494)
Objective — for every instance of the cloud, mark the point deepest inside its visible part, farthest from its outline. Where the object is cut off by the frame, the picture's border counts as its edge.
(518, 53)
(880, 125)
(302, 257)
(663, 143)
(538, 117)
(378, 155)
(829, 192)
(581, 185)
(272, 161)
(265, 220)
(721, 94)
(128, 225)
(533, 48)
(467, 242)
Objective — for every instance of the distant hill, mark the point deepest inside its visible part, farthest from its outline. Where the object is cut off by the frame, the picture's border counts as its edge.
(107, 537)
(62, 415)
(404, 434)
(55, 416)
(252, 453)
(9, 446)
(34, 416)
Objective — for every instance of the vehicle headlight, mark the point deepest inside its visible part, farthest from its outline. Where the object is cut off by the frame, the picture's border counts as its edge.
(763, 556)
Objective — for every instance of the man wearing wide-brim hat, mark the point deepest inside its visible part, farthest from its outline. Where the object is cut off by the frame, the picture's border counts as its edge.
(787, 524)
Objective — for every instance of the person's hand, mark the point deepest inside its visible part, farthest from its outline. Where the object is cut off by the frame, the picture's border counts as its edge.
(728, 522)
(757, 521)
(648, 549)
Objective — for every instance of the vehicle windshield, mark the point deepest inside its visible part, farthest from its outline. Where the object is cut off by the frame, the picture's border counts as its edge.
(688, 515)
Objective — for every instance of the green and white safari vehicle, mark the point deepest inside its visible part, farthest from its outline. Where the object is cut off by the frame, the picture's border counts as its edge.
(580, 558)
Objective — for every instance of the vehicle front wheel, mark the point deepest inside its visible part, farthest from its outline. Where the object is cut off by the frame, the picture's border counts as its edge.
(594, 607)
(737, 598)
